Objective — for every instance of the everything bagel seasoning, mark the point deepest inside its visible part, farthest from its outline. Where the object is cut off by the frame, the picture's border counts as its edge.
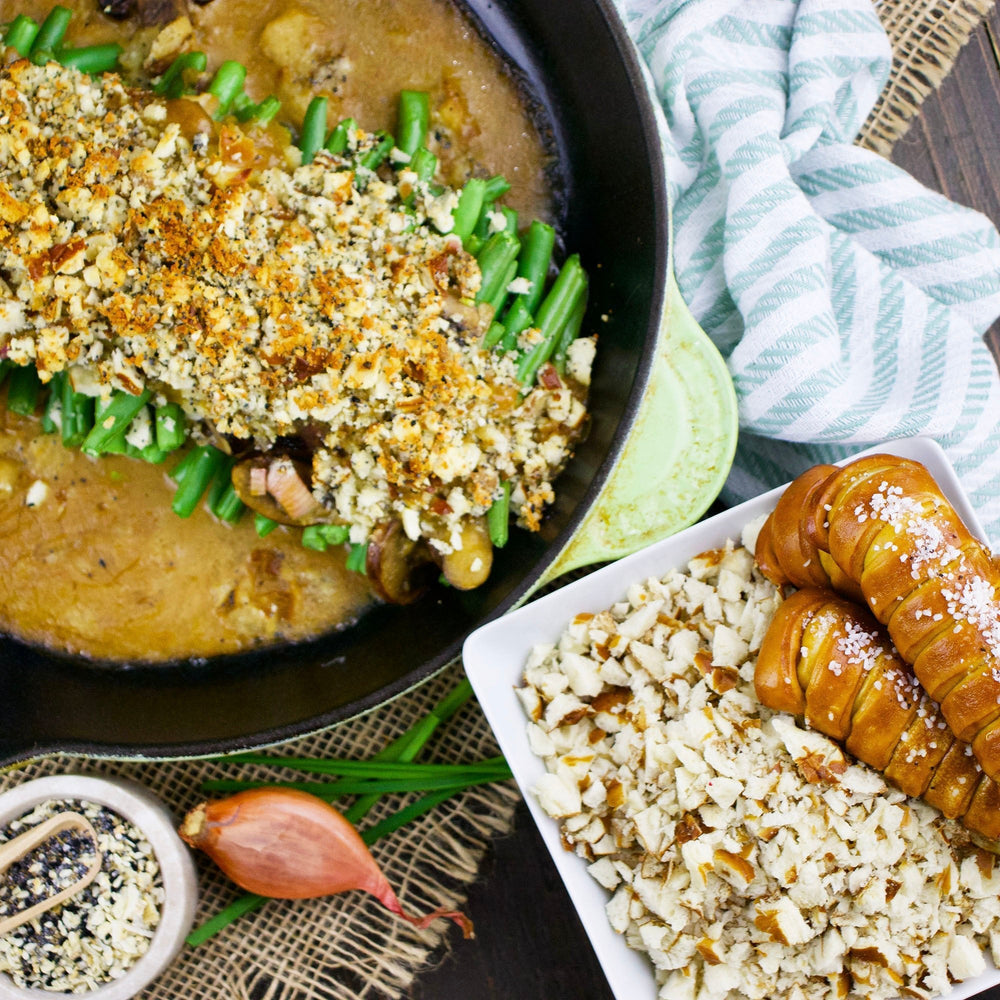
(96, 935)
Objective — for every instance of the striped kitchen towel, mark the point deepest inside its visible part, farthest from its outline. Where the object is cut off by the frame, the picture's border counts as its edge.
(848, 300)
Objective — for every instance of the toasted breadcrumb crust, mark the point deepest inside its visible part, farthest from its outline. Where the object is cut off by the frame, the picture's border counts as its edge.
(744, 854)
(269, 299)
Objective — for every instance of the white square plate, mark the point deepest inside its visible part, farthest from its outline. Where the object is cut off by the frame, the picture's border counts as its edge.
(495, 655)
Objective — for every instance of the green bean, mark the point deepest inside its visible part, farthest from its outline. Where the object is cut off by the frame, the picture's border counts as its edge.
(196, 479)
(371, 158)
(226, 504)
(313, 129)
(414, 118)
(470, 204)
(113, 420)
(357, 559)
(498, 518)
(171, 84)
(569, 333)
(511, 217)
(493, 335)
(21, 34)
(340, 137)
(501, 289)
(263, 113)
(321, 536)
(496, 187)
(168, 421)
(150, 453)
(181, 469)
(52, 414)
(23, 390)
(263, 525)
(226, 84)
(533, 266)
(424, 164)
(498, 265)
(77, 414)
(553, 315)
(90, 59)
(50, 34)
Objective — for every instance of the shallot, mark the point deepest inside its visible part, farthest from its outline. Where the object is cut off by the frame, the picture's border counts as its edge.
(288, 844)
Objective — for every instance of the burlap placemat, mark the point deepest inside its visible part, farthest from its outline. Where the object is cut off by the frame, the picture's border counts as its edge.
(926, 36)
(349, 947)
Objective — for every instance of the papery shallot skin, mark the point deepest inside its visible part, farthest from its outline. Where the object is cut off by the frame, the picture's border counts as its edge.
(288, 844)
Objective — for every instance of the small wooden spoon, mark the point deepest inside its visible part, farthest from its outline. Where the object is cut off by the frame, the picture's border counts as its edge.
(14, 850)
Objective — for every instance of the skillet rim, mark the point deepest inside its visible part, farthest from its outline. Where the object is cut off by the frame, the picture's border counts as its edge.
(647, 116)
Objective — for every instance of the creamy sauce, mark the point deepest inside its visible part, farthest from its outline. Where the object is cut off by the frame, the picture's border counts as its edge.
(102, 566)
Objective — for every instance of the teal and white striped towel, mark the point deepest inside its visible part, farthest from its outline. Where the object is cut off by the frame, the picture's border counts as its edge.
(848, 300)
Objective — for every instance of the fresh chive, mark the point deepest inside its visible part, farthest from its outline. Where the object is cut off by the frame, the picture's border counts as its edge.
(197, 478)
(77, 414)
(498, 518)
(414, 119)
(114, 420)
(313, 129)
(553, 315)
(403, 748)
(322, 536)
(226, 84)
(344, 787)
(372, 768)
(406, 746)
(340, 137)
(357, 558)
(23, 390)
(407, 814)
(21, 34)
(237, 908)
(172, 83)
(470, 204)
(90, 59)
(263, 525)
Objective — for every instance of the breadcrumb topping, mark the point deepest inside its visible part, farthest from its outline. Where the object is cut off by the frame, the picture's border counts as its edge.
(142, 242)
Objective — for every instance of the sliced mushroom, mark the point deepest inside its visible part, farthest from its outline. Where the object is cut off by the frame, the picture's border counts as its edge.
(468, 567)
(286, 498)
(399, 569)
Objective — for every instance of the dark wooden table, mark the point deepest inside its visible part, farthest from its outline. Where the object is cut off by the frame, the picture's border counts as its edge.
(529, 944)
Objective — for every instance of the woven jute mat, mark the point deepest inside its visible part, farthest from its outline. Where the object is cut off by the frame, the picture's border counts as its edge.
(347, 947)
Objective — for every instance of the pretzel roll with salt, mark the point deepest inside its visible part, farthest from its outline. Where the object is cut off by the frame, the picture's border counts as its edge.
(887, 526)
(786, 550)
(826, 660)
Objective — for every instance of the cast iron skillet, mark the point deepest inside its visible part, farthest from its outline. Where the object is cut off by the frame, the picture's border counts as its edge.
(578, 63)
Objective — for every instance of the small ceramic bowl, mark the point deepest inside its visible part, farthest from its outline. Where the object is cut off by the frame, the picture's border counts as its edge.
(180, 885)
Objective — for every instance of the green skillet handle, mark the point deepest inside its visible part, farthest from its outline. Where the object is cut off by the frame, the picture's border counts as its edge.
(677, 455)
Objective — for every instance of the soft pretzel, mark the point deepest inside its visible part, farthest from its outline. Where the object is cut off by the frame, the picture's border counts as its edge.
(885, 525)
(827, 661)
